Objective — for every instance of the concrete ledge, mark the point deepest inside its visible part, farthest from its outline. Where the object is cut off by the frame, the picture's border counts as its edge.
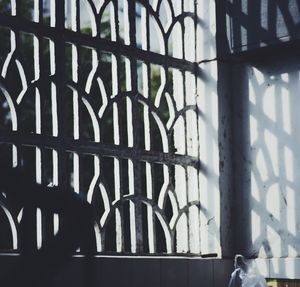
(133, 272)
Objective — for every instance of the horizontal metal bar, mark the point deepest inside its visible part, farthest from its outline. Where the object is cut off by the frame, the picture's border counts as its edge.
(16, 23)
(27, 26)
(96, 148)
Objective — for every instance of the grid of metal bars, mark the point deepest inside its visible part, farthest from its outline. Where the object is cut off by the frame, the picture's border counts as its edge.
(101, 96)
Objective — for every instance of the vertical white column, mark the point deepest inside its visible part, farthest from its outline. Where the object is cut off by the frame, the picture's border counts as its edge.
(207, 103)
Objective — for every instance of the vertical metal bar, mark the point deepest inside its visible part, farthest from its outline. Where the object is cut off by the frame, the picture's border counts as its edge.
(135, 131)
(147, 137)
(54, 113)
(78, 16)
(131, 84)
(75, 26)
(37, 47)
(132, 37)
(60, 85)
(16, 8)
(13, 46)
(116, 85)
(29, 218)
(41, 9)
(56, 51)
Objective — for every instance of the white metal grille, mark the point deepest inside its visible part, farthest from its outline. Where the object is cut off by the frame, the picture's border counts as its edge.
(101, 97)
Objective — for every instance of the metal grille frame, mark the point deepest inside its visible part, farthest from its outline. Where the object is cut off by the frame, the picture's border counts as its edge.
(138, 142)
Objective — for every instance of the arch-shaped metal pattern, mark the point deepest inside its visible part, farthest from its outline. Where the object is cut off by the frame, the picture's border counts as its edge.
(105, 103)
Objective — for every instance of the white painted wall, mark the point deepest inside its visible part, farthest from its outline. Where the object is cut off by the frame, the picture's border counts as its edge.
(275, 178)
(266, 178)
(265, 100)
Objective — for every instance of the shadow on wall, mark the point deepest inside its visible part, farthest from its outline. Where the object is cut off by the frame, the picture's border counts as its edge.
(266, 105)
(259, 23)
(275, 160)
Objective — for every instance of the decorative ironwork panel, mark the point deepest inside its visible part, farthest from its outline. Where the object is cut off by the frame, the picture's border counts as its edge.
(100, 97)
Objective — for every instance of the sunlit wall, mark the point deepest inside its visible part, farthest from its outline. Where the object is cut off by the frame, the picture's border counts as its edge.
(275, 160)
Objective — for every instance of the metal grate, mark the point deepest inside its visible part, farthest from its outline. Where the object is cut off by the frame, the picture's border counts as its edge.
(100, 96)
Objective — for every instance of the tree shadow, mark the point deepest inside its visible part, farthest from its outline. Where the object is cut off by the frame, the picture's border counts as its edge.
(76, 228)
